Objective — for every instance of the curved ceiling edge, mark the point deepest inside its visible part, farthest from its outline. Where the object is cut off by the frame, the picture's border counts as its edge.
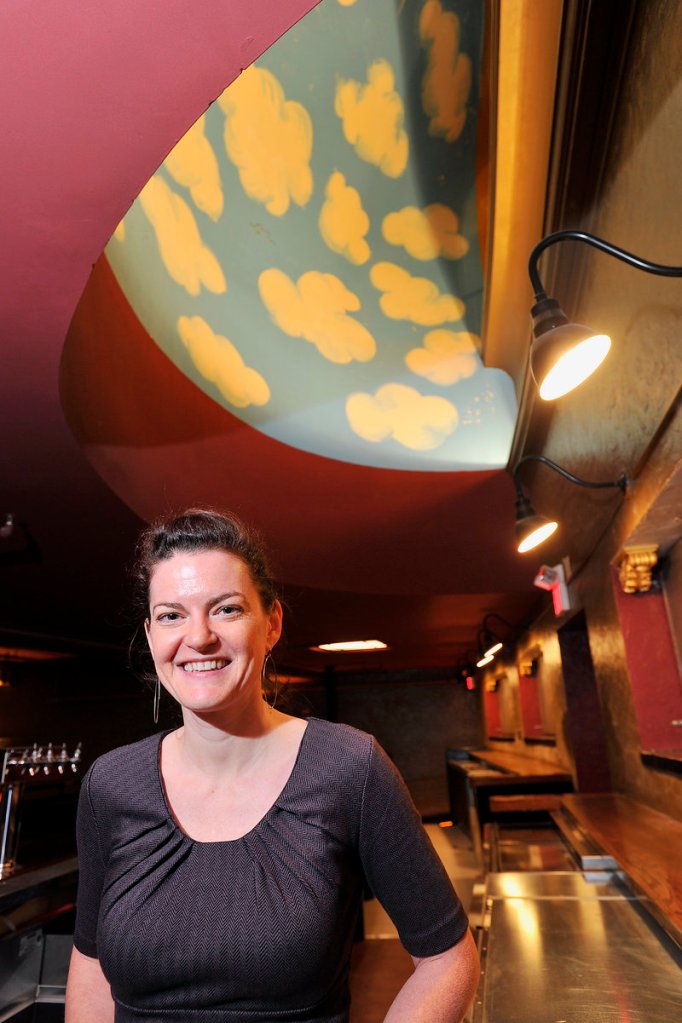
(160, 442)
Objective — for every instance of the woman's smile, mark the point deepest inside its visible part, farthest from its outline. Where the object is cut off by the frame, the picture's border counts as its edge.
(202, 666)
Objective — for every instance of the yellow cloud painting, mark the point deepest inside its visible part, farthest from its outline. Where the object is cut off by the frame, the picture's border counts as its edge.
(447, 79)
(218, 361)
(413, 298)
(426, 234)
(373, 116)
(193, 164)
(414, 420)
(316, 309)
(447, 356)
(269, 139)
(186, 258)
(343, 221)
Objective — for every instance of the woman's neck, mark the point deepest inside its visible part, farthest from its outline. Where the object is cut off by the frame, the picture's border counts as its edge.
(227, 741)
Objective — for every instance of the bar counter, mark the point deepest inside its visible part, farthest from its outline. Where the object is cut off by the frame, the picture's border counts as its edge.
(481, 774)
(602, 943)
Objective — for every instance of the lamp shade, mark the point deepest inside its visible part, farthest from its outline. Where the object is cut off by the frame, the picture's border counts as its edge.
(531, 529)
(563, 354)
(562, 358)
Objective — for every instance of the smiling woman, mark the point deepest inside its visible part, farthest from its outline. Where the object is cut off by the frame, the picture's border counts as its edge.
(208, 632)
(254, 828)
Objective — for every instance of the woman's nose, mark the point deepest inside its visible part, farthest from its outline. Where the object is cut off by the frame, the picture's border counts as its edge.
(200, 633)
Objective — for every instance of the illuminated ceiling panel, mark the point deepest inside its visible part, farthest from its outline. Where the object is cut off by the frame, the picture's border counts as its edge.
(308, 254)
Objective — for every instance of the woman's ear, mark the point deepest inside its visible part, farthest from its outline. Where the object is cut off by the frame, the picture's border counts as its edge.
(146, 632)
(274, 625)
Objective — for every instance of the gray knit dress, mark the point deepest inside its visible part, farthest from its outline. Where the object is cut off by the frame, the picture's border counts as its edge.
(258, 929)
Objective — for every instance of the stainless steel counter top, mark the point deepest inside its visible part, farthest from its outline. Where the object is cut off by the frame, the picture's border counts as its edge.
(556, 885)
(574, 948)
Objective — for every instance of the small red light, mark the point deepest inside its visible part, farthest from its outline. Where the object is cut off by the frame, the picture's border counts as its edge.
(471, 682)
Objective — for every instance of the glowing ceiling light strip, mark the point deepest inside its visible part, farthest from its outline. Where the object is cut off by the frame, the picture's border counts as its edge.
(352, 644)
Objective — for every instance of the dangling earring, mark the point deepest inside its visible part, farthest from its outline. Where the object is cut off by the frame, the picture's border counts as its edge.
(264, 668)
(157, 699)
(263, 679)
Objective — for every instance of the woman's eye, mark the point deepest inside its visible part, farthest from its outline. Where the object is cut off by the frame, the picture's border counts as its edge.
(228, 610)
(168, 616)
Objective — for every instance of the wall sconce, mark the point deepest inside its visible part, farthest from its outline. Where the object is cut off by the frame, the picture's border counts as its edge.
(490, 644)
(564, 354)
(533, 529)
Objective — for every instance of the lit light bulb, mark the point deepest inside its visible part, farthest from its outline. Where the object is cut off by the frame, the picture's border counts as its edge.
(537, 537)
(574, 366)
(492, 650)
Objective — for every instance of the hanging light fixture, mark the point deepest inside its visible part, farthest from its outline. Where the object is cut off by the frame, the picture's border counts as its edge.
(564, 354)
(533, 529)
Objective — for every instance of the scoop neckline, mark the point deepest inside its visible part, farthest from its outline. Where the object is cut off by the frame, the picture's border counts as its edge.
(177, 826)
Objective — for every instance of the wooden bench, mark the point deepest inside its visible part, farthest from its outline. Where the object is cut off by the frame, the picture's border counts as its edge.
(646, 845)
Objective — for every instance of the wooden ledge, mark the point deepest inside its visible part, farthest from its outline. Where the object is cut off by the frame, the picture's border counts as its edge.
(646, 845)
(531, 803)
(520, 766)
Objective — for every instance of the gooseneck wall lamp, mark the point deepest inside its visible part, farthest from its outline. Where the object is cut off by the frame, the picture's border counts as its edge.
(489, 643)
(564, 354)
(533, 529)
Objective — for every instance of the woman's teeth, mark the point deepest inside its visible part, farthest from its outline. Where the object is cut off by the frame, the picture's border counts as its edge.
(204, 665)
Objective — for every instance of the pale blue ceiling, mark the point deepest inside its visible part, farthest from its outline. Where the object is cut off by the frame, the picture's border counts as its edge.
(212, 257)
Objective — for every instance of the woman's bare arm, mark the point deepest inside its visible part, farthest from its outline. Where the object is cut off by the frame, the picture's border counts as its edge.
(88, 995)
(441, 987)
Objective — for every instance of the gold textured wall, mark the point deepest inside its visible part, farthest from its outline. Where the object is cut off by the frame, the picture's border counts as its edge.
(612, 423)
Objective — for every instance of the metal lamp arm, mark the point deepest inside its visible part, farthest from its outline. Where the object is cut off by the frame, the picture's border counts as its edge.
(598, 243)
(494, 614)
(620, 483)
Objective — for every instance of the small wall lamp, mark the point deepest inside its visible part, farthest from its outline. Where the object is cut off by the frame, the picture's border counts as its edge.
(489, 643)
(564, 354)
(533, 529)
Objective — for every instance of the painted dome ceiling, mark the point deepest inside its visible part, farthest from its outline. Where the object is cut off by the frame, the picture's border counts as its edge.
(308, 254)
(286, 322)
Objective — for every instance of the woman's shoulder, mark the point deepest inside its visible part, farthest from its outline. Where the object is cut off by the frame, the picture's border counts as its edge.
(344, 738)
(338, 749)
(125, 766)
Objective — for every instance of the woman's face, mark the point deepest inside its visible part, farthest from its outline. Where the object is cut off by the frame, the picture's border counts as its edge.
(208, 632)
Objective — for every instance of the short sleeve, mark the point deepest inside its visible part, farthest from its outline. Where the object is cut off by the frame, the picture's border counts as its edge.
(402, 867)
(90, 873)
